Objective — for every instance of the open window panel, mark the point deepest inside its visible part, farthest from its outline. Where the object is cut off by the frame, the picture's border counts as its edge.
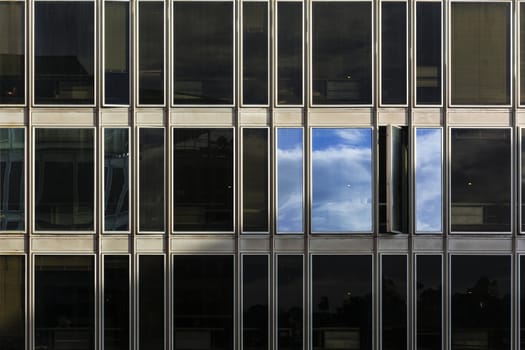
(393, 179)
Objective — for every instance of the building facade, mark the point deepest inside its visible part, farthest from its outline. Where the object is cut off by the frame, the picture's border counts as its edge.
(227, 175)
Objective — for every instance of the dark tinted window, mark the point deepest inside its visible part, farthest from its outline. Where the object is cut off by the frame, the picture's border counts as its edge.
(64, 52)
(522, 54)
(203, 179)
(151, 302)
(290, 310)
(522, 301)
(342, 52)
(203, 302)
(116, 60)
(12, 302)
(12, 53)
(523, 180)
(394, 302)
(203, 52)
(429, 299)
(255, 322)
(116, 302)
(64, 179)
(12, 191)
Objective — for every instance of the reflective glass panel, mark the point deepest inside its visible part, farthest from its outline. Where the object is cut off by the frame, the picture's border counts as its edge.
(480, 53)
(116, 59)
(342, 52)
(12, 51)
(255, 300)
(394, 294)
(12, 302)
(522, 180)
(429, 302)
(480, 179)
(116, 179)
(151, 53)
(428, 53)
(522, 53)
(255, 180)
(64, 52)
(480, 302)
(428, 179)
(290, 299)
(64, 179)
(393, 53)
(203, 52)
(116, 302)
(64, 293)
(151, 302)
(203, 179)
(290, 217)
(255, 53)
(203, 300)
(12, 190)
(289, 53)
(342, 302)
(522, 301)
(341, 180)
(397, 182)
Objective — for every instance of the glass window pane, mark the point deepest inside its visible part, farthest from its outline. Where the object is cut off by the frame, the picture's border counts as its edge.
(255, 180)
(116, 302)
(480, 180)
(151, 179)
(151, 302)
(428, 53)
(480, 53)
(394, 294)
(64, 179)
(64, 52)
(429, 302)
(255, 53)
(116, 179)
(203, 179)
(522, 180)
(203, 52)
(203, 300)
(480, 296)
(12, 302)
(428, 178)
(289, 53)
(342, 301)
(12, 53)
(12, 175)
(116, 46)
(397, 182)
(64, 302)
(342, 52)
(522, 301)
(290, 299)
(151, 53)
(290, 199)
(341, 180)
(255, 300)
(393, 53)
(522, 53)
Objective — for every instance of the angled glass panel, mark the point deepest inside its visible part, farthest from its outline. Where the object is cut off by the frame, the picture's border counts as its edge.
(289, 53)
(116, 302)
(12, 175)
(342, 53)
(342, 302)
(255, 179)
(64, 179)
(116, 48)
(12, 302)
(341, 180)
(203, 302)
(203, 52)
(151, 179)
(64, 294)
(428, 53)
(397, 181)
(393, 53)
(480, 53)
(12, 53)
(480, 302)
(480, 180)
(116, 179)
(203, 179)
(290, 302)
(64, 52)
(151, 307)
(151, 53)
(429, 302)
(394, 297)
(428, 179)
(290, 188)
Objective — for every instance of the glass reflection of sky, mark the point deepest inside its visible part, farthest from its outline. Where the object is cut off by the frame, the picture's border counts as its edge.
(342, 180)
(289, 180)
(428, 180)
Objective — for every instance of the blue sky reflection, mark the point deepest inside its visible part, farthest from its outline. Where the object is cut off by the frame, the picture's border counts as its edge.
(341, 180)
